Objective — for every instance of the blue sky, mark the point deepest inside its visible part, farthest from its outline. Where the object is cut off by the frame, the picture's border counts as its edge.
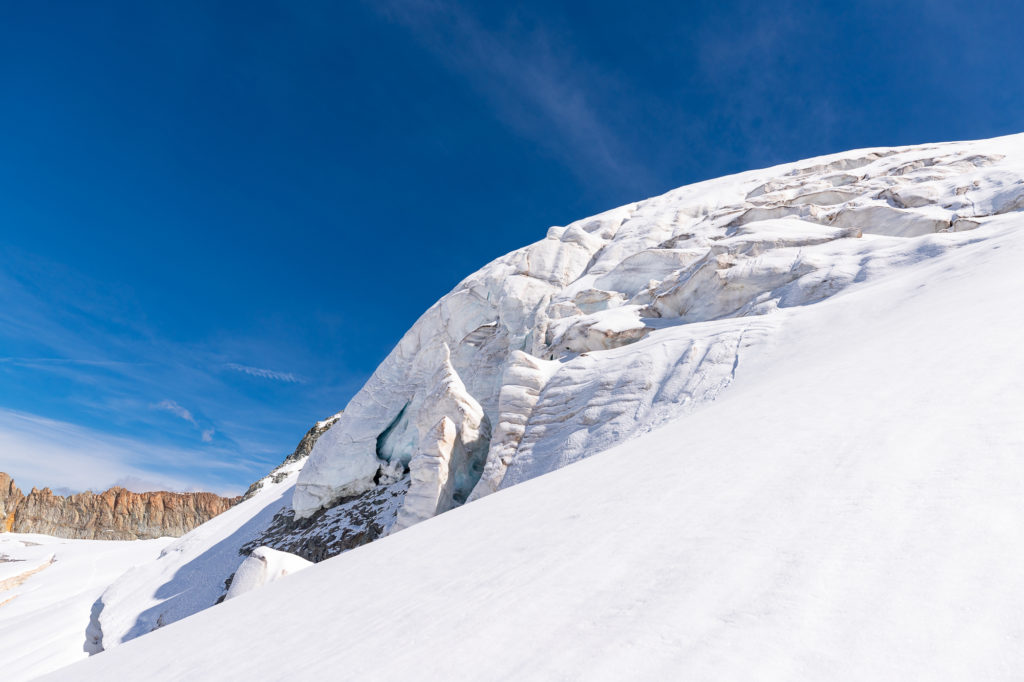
(217, 218)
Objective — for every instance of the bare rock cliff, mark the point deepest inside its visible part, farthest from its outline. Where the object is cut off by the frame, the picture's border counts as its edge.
(115, 514)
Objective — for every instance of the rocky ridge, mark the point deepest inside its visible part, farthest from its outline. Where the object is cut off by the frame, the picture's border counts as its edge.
(351, 522)
(115, 514)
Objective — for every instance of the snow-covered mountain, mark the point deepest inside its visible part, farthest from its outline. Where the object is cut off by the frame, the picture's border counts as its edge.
(804, 386)
(621, 322)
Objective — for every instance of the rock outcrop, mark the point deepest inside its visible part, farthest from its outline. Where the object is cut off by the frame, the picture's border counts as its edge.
(115, 514)
(354, 521)
(300, 454)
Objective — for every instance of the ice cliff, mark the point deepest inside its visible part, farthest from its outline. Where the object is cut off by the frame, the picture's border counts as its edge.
(614, 324)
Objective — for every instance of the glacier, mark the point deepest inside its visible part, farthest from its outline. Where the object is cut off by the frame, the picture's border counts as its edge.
(618, 323)
(846, 507)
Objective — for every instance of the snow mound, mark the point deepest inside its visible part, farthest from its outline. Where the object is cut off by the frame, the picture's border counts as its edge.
(263, 566)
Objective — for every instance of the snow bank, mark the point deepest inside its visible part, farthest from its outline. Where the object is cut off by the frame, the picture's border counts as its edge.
(263, 566)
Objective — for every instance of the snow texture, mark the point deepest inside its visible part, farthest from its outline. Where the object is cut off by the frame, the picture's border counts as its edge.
(48, 591)
(191, 572)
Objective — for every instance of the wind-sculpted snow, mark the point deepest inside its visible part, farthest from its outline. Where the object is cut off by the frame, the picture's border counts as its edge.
(263, 566)
(601, 397)
(617, 323)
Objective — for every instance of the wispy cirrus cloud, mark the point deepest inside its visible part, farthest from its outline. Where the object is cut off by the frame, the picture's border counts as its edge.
(176, 409)
(38, 451)
(535, 83)
(206, 435)
(77, 352)
(44, 362)
(262, 373)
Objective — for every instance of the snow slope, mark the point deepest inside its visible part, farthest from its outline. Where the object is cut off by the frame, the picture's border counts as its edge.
(192, 571)
(604, 330)
(62, 600)
(849, 508)
(48, 588)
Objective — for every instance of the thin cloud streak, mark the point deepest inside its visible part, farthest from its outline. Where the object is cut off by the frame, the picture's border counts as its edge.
(286, 377)
(535, 85)
(120, 376)
(46, 452)
(176, 409)
(43, 362)
(206, 435)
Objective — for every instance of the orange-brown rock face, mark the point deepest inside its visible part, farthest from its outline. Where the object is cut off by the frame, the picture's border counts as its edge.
(116, 514)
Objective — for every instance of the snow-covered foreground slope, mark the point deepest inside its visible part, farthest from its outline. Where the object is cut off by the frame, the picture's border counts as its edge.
(62, 600)
(850, 508)
(48, 588)
(603, 331)
(195, 571)
(192, 572)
